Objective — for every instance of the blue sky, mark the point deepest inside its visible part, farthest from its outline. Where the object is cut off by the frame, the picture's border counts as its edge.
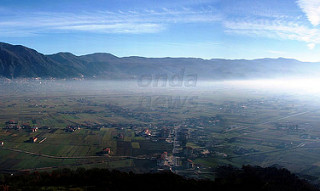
(182, 28)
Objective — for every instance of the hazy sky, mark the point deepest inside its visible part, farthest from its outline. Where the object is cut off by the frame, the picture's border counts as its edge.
(159, 28)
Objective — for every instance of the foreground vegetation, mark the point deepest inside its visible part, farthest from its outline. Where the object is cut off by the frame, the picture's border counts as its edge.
(228, 178)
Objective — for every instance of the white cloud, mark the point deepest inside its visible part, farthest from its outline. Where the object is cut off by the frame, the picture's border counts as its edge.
(312, 10)
(146, 21)
(116, 28)
(276, 29)
(266, 24)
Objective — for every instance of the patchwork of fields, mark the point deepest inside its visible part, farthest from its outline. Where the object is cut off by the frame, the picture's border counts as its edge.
(114, 129)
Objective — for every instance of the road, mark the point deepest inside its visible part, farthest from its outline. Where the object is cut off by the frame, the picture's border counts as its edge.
(74, 157)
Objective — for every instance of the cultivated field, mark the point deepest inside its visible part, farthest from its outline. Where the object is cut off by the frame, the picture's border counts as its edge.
(107, 127)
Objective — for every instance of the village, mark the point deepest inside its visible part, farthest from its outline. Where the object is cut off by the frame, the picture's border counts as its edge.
(178, 159)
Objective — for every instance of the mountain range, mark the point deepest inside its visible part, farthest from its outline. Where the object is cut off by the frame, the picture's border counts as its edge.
(18, 61)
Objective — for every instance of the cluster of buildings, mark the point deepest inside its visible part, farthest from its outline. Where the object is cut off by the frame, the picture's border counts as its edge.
(180, 159)
(193, 130)
(15, 125)
(72, 128)
(12, 125)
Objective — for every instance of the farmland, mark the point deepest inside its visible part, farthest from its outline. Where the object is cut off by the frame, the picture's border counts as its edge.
(189, 132)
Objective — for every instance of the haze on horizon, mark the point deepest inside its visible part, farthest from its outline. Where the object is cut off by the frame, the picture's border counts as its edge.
(207, 29)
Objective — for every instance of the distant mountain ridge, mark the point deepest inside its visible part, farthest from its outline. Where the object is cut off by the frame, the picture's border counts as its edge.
(17, 61)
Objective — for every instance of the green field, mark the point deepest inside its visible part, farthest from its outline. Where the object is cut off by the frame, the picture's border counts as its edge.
(256, 128)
